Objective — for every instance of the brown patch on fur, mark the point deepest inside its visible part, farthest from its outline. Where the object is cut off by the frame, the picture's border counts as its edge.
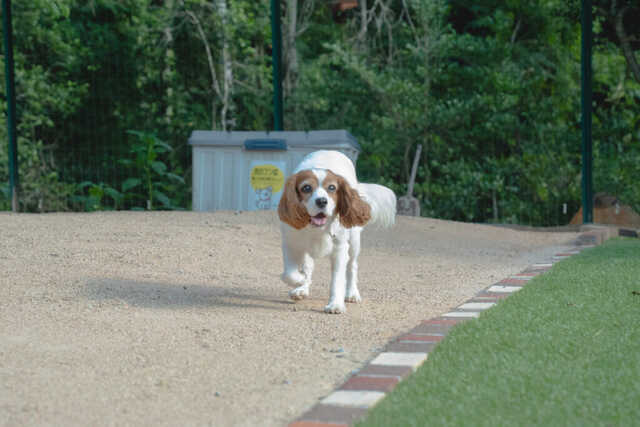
(352, 209)
(330, 179)
(306, 177)
(290, 208)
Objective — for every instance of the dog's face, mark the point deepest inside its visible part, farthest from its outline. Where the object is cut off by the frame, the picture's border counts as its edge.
(313, 197)
(318, 193)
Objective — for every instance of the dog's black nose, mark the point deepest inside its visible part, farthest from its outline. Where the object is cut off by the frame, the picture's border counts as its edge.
(321, 202)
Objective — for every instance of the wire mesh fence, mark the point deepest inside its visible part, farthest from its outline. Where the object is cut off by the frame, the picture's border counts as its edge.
(108, 93)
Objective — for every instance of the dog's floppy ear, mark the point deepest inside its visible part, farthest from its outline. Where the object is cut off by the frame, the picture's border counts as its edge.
(352, 209)
(290, 210)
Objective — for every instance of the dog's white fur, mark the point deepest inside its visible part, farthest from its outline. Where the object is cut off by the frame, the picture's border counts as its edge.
(303, 242)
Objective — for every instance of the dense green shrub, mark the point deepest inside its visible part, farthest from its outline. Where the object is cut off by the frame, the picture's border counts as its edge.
(489, 89)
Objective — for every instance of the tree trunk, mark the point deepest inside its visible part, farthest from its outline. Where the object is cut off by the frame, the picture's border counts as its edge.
(223, 92)
(629, 55)
(215, 84)
(291, 56)
(227, 64)
(494, 200)
(169, 56)
(362, 34)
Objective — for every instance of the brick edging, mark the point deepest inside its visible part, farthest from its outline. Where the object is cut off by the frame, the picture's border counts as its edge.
(403, 355)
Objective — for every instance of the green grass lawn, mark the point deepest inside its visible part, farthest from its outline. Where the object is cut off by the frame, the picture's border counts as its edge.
(565, 351)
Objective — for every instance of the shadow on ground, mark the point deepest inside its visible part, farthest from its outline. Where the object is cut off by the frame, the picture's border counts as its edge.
(177, 296)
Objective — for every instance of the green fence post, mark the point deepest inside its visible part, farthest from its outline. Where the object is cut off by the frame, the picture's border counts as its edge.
(11, 103)
(587, 143)
(276, 58)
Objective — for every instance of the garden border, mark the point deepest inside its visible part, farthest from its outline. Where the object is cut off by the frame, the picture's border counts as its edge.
(403, 355)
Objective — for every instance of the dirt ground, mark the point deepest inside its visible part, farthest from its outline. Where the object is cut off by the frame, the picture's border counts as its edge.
(168, 318)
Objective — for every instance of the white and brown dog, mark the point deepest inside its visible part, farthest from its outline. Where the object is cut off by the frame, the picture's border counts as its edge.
(323, 209)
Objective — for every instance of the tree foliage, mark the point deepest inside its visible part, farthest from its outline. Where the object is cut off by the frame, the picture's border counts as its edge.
(489, 88)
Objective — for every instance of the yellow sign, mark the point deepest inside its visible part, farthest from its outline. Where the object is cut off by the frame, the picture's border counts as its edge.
(267, 176)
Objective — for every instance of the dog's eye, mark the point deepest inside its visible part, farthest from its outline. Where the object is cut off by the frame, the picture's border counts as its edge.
(332, 188)
(306, 188)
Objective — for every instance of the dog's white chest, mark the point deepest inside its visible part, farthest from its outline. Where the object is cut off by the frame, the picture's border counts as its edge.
(321, 246)
(317, 243)
(314, 242)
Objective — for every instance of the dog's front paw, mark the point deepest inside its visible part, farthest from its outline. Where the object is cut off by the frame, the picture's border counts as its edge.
(335, 308)
(353, 297)
(299, 293)
(292, 278)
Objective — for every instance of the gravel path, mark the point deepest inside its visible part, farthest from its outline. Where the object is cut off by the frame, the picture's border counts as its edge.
(180, 318)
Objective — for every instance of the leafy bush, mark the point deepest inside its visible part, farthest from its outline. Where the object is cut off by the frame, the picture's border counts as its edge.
(150, 175)
(490, 89)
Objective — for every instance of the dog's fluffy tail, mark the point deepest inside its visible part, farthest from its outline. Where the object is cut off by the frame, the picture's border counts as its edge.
(382, 201)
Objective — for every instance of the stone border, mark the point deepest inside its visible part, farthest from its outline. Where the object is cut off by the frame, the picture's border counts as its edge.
(403, 355)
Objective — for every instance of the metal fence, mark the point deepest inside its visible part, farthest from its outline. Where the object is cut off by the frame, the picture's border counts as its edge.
(98, 130)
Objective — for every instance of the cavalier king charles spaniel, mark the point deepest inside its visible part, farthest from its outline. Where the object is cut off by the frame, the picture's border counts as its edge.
(322, 210)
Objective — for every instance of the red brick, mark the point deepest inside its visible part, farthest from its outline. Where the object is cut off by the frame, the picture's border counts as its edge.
(427, 338)
(512, 282)
(432, 328)
(443, 321)
(484, 296)
(410, 347)
(386, 371)
(329, 416)
(496, 295)
(534, 273)
(316, 424)
(362, 382)
(480, 298)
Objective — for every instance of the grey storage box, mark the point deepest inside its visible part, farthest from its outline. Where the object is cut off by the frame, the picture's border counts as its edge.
(246, 170)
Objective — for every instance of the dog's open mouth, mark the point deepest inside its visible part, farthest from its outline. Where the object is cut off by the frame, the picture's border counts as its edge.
(319, 220)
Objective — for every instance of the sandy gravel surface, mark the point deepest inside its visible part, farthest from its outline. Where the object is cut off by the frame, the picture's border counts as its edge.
(181, 319)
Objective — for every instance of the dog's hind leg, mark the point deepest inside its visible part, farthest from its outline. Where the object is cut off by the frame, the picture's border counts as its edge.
(352, 294)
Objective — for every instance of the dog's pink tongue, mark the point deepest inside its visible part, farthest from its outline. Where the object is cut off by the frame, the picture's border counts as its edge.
(319, 220)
